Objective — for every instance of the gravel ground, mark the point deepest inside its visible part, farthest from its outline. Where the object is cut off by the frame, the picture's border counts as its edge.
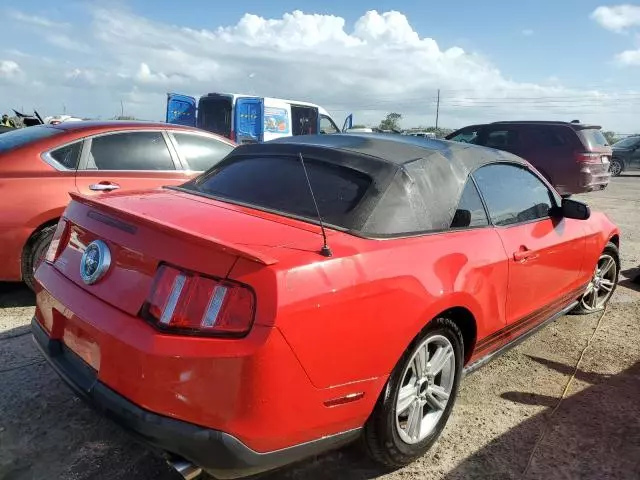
(507, 422)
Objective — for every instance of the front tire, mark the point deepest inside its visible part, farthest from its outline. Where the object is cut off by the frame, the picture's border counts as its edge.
(602, 284)
(35, 253)
(418, 398)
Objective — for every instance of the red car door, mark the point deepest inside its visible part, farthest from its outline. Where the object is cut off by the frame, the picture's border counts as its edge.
(545, 253)
(128, 160)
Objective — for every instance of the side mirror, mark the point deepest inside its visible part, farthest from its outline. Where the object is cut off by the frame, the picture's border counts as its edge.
(461, 219)
(574, 209)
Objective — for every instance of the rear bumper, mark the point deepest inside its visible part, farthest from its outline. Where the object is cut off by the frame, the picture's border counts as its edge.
(217, 452)
(593, 178)
(583, 178)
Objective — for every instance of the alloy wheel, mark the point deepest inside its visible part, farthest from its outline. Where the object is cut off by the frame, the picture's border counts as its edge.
(601, 286)
(427, 385)
(615, 168)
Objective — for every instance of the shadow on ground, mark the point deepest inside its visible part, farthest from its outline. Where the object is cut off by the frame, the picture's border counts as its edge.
(594, 433)
(16, 295)
(632, 279)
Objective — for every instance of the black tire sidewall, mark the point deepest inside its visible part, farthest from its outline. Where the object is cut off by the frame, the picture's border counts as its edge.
(388, 406)
(619, 162)
(612, 250)
(38, 248)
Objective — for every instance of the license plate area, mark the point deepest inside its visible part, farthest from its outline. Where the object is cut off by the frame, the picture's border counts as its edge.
(75, 337)
(82, 344)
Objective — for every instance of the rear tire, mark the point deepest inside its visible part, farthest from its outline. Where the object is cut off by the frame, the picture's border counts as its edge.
(34, 254)
(385, 439)
(616, 167)
(603, 283)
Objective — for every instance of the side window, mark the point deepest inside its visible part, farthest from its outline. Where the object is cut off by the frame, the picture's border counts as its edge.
(502, 139)
(200, 152)
(470, 212)
(68, 155)
(544, 138)
(327, 126)
(467, 135)
(130, 151)
(513, 194)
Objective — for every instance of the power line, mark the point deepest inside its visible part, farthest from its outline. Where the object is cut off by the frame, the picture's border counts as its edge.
(438, 109)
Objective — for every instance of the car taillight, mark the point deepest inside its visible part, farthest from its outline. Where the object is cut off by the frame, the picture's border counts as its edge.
(588, 157)
(232, 136)
(188, 302)
(58, 242)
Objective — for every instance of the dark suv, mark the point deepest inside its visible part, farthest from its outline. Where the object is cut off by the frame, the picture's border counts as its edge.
(626, 155)
(572, 156)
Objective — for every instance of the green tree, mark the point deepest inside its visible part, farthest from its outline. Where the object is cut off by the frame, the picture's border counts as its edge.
(611, 137)
(391, 122)
(125, 117)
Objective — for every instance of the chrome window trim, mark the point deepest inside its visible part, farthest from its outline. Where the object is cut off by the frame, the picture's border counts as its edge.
(47, 158)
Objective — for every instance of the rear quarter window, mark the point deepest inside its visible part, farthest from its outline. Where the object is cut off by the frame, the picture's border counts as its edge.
(593, 138)
(279, 184)
(22, 136)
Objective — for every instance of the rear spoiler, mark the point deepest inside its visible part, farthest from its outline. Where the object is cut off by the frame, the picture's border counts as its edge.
(139, 219)
(586, 127)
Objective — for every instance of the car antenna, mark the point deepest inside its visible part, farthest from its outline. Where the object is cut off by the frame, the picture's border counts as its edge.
(325, 251)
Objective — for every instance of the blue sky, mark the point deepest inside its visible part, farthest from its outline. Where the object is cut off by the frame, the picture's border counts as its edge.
(580, 54)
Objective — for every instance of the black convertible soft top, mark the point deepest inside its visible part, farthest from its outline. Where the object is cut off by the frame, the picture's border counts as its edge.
(416, 183)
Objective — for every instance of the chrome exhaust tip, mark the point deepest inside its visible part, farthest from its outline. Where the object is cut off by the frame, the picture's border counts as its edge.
(186, 469)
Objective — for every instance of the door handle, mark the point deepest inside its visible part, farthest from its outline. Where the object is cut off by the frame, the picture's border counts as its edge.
(524, 254)
(103, 187)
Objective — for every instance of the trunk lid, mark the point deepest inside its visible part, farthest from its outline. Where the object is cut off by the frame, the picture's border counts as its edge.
(143, 229)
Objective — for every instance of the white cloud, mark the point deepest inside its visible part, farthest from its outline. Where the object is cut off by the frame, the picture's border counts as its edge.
(377, 65)
(620, 19)
(9, 68)
(36, 20)
(67, 43)
(629, 58)
(527, 32)
(617, 18)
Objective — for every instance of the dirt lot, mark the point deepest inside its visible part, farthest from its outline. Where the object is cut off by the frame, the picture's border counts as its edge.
(502, 426)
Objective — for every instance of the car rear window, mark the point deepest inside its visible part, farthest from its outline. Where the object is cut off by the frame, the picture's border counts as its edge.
(279, 184)
(594, 137)
(23, 136)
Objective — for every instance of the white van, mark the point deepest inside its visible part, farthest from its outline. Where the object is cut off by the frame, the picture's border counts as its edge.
(247, 119)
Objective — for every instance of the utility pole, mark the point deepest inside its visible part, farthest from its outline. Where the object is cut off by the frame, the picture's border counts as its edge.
(437, 111)
(121, 108)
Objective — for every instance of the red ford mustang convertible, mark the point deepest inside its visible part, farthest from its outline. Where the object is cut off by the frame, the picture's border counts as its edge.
(311, 291)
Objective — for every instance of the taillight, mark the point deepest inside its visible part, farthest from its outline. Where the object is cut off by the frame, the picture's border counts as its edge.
(588, 157)
(232, 136)
(191, 303)
(58, 242)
